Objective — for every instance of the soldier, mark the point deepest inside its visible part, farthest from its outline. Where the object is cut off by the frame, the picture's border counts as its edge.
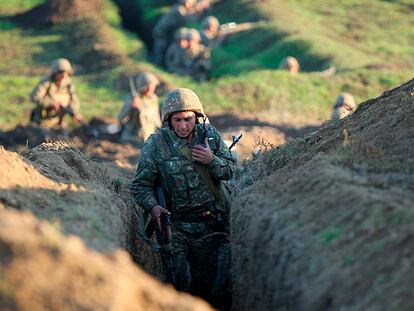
(344, 105)
(55, 95)
(183, 12)
(291, 64)
(140, 114)
(190, 161)
(209, 33)
(175, 52)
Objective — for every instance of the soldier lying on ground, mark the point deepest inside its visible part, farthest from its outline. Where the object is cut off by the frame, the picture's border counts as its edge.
(140, 114)
(344, 105)
(190, 161)
(55, 95)
(185, 11)
(213, 34)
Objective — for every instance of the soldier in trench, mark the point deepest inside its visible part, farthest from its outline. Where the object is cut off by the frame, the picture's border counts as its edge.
(190, 160)
(140, 114)
(55, 96)
(185, 11)
(344, 105)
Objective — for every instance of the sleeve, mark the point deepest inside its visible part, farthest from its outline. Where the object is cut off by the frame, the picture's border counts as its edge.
(74, 100)
(223, 166)
(40, 95)
(146, 176)
(125, 108)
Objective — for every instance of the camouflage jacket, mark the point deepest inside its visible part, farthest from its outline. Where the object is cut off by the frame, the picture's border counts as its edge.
(173, 59)
(207, 38)
(177, 17)
(147, 118)
(162, 161)
(47, 92)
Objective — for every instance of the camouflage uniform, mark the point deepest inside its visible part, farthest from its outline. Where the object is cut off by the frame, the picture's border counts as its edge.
(209, 37)
(46, 93)
(199, 222)
(344, 105)
(175, 52)
(195, 60)
(166, 26)
(139, 123)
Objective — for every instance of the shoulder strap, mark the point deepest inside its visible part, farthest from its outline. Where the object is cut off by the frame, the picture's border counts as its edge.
(202, 171)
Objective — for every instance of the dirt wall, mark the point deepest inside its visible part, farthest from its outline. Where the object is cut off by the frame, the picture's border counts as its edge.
(78, 196)
(41, 270)
(327, 223)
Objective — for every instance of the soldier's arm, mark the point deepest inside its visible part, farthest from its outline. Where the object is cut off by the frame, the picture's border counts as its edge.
(223, 164)
(40, 95)
(123, 114)
(74, 100)
(143, 184)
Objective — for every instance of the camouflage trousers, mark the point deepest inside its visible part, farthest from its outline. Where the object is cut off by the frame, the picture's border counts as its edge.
(200, 260)
(39, 115)
(158, 51)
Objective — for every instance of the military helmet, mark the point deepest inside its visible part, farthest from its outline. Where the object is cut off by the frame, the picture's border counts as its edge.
(345, 99)
(181, 34)
(210, 21)
(61, 64)
(289, 63)
(181, 100)
(144, 79)
(193, 35)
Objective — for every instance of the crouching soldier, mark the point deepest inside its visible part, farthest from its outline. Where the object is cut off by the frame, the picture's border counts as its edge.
(140, 114)
(344, 105)
(190, 161)
(55, 95)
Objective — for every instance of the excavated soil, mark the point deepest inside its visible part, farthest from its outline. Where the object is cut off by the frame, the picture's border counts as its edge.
(56, 182)
(328, 221)
(42, 270)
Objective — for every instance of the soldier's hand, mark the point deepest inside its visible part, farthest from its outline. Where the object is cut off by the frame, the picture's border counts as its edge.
(202, 154)
(57, 106)
(77, 118)
(136, 103)
(156, 212)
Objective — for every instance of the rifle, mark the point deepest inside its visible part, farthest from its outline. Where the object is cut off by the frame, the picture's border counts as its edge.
(69, 111)
(235, 140)
(164, 237)
(233, 28)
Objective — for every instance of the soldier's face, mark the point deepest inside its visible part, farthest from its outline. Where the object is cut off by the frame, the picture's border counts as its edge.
(61, 77)
(183, 43)
(183, 123)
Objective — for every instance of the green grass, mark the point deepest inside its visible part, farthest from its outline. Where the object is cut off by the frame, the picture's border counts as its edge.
(368, 45)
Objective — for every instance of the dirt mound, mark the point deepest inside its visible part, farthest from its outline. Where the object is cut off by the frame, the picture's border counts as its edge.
(255, 139)
(79, 196)
(331, 227)
(58, 11)
(41, 270)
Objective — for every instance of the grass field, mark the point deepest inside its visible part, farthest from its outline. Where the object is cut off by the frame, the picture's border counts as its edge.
(368, 44)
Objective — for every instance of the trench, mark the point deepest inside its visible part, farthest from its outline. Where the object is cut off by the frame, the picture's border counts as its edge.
(139, 17)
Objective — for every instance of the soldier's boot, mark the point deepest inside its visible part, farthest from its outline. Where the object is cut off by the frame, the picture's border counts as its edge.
(35, 116)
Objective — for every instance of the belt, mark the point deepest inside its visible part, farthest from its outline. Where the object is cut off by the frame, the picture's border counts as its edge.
(196, 214)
